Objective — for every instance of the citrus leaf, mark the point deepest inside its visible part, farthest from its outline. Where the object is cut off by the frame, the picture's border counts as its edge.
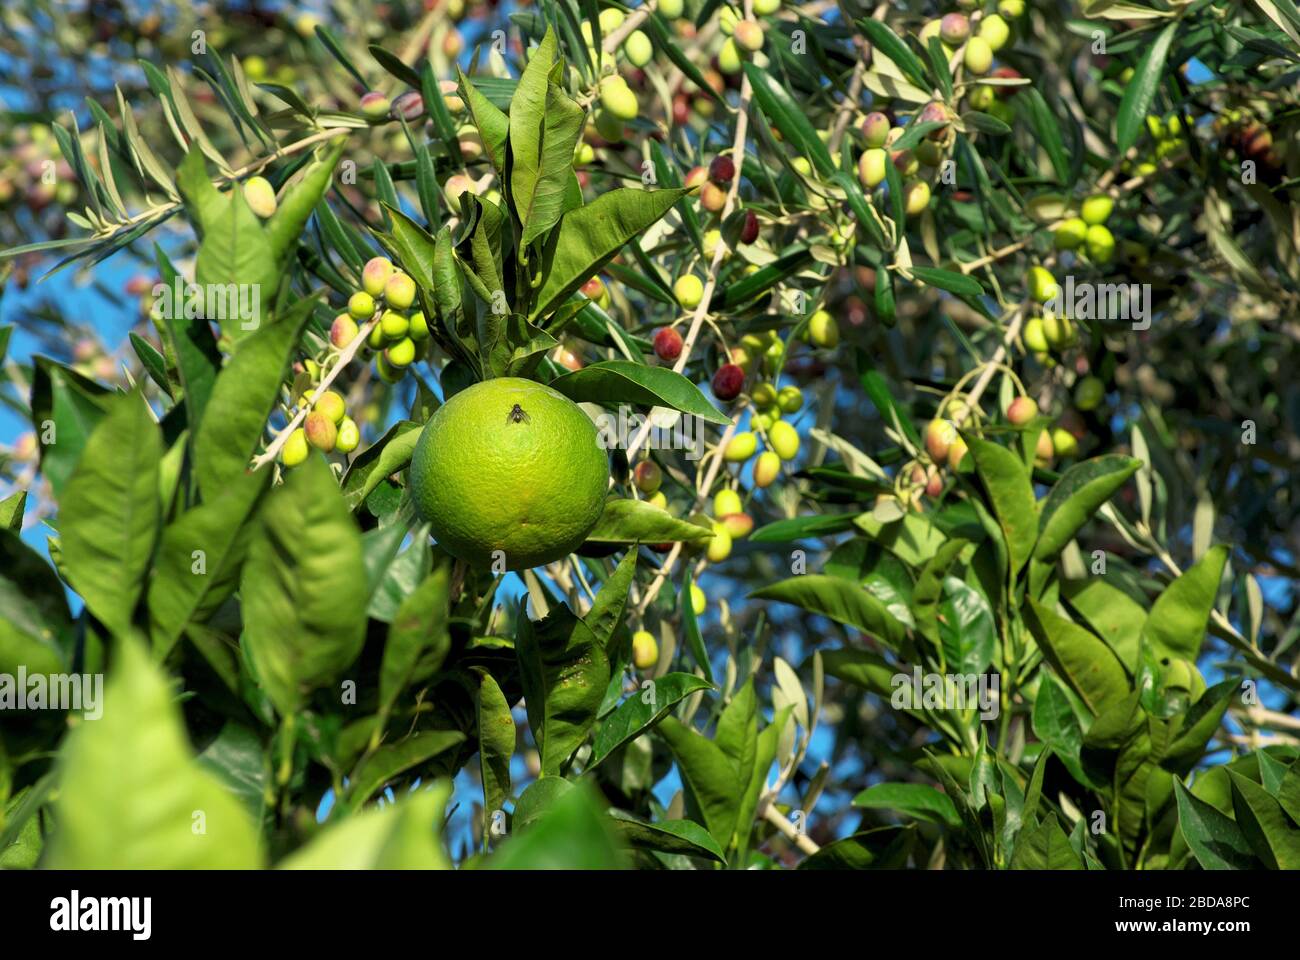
(110, 512)
(303, 587)
(1007, 482)
(635, 521)
(588, 237)
(1215, 840)
(642, 710)
(397, 836)
(915, 799)
(622, 381)
(564, 672)
(130, 789)
(1081, 659)
(1079, 493)
(1175, 627)
(684, 838)
(841, 600)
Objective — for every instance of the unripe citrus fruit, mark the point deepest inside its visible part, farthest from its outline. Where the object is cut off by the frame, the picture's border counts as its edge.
(689, 290)
(509, 465)
(645, 650)
(766, 469)
(784, 440)
(418, 329)
(740, 447)
(295, 449)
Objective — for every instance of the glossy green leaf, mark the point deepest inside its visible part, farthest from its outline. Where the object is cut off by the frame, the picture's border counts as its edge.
(35, 625)
(636, 521)
(966, 628)
(691, 626)
(110, 512)
(574, 834)
(418, 636)
(642, 710)
(1178, 619)
(197, 566)
(1273, 837)
(131, 795)
(606, 611)
(801, 528)
(1083, 660)
(1082, 489)
(709, 775)
(1215, 840)
(397, 836)
(243, 397)
(884, 848)
(496, 742)
(394, 759)
(587, 238)
(622, 381)
(383, 458)
(838, 599)
(564, 671)
(492, 123)
(1011, 494)
(1045, 847)
(914, 799)
(303, 587)
(683, 837)
(66, 407)
(888, 43)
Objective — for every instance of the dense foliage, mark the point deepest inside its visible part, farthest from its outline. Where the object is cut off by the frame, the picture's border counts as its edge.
(971, 544)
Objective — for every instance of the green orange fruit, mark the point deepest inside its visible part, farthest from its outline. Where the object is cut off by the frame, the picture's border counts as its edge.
(510, 469)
